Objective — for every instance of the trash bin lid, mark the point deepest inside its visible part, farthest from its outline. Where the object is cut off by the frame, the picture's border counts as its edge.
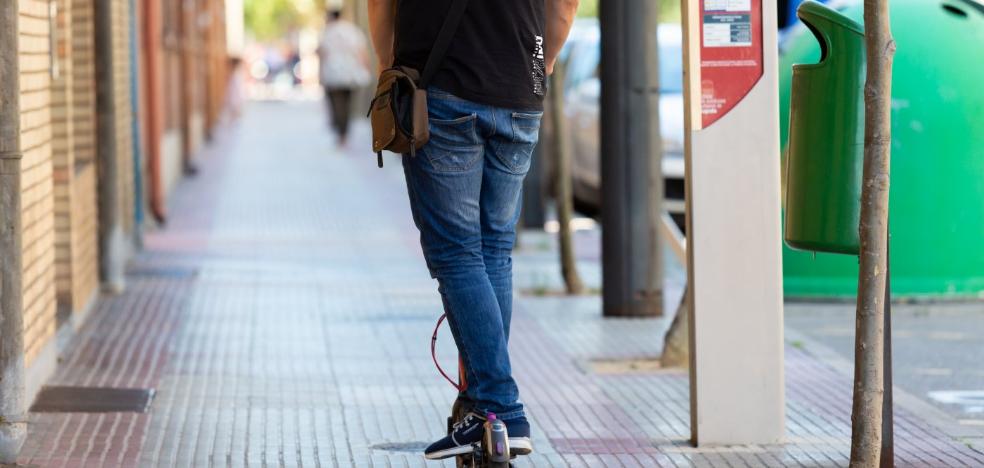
(810, 9)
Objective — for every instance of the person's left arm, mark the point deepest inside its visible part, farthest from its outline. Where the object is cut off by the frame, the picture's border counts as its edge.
(560, 18)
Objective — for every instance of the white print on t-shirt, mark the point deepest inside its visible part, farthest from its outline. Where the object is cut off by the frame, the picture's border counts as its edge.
(539, 68)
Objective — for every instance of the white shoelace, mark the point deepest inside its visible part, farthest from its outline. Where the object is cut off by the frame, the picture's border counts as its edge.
(464, 422)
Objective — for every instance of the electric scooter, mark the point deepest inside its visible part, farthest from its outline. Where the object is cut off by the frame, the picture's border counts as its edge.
(493, 450)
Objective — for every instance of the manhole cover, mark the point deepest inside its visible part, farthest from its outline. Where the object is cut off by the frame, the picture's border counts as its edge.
(176, 272)
(415, 447)
(93, 400)
(625, 366)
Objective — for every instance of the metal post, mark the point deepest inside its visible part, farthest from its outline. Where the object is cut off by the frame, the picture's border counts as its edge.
(13, 404)
(112, 238)
(152, 36)
(138, 180)
(186, 53)
(630, 155)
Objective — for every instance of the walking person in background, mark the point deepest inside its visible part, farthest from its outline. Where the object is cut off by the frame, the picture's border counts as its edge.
(235, 90)
(344, 60)
(484, 107)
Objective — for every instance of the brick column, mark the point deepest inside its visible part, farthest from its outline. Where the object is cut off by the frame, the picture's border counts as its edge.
(113, 241)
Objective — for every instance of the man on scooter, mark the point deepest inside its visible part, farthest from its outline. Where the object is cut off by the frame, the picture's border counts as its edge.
(484, 105)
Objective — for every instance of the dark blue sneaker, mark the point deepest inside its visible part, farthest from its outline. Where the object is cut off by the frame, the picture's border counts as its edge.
(464, 433)
(519, 436)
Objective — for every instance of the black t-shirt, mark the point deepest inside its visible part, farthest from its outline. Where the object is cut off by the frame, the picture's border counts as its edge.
(496, 56)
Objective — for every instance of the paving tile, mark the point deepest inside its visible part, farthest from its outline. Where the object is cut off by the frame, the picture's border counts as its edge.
(284, 317)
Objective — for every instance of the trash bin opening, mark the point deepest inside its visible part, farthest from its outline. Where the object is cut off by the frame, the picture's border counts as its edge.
(822, 39)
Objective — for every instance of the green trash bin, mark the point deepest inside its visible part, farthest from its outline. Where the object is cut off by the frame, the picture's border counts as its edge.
(826, 137)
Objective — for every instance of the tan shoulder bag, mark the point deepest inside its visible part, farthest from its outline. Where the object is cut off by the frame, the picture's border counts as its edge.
(398, 112)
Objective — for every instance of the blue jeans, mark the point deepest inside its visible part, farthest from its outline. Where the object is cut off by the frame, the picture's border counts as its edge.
(465, 187)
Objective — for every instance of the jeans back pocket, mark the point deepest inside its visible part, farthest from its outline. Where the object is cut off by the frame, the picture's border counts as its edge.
(454, 145)
(516, 149)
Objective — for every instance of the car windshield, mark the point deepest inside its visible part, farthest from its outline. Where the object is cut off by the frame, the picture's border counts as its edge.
(671, 69)
(583, 60)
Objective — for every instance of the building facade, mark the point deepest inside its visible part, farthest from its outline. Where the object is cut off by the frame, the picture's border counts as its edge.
(104, 104)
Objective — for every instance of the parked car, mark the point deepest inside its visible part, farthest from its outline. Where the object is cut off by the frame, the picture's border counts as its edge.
(582, 92)
(582, 95)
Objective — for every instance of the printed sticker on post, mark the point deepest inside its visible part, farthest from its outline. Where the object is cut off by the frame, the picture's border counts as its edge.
(727, 5)
(727, 30)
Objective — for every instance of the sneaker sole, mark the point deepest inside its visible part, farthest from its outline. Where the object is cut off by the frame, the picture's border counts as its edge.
(448, 453)
(517, 446)
(520, 446)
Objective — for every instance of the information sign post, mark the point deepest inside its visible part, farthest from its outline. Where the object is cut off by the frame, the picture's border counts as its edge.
(733, 222)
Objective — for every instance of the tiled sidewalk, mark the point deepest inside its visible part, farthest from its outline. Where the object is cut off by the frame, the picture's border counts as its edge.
(284, 319)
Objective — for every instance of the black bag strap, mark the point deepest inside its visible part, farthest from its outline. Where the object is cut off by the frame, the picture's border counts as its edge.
(443, 41)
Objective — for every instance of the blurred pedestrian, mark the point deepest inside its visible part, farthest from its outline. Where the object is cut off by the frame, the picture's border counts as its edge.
(484, 106)
(235, 90)
(344, 60)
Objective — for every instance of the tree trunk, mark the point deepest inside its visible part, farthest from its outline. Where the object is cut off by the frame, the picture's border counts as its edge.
(565, 192)
(656, 182)
(866, 417)
(676, 342)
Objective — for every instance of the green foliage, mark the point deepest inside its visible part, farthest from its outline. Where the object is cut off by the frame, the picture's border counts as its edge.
(669, 11)
(273, 19)
(269, 19)
(588, 9)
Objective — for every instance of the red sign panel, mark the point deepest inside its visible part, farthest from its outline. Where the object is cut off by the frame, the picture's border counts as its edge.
(730, 54)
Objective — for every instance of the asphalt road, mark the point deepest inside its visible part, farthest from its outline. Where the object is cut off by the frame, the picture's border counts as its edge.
(938, 349)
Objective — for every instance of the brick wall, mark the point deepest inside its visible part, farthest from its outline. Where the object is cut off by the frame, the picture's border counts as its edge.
(76, 241)
(63, 157)
(37, 191)
(59, 174)
(83, 81)
(85, 220)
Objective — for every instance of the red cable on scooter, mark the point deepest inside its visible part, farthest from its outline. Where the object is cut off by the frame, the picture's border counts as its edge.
(457, 386)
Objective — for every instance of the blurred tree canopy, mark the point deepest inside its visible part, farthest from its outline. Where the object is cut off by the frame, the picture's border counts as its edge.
(669, 11)
(273, 19)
